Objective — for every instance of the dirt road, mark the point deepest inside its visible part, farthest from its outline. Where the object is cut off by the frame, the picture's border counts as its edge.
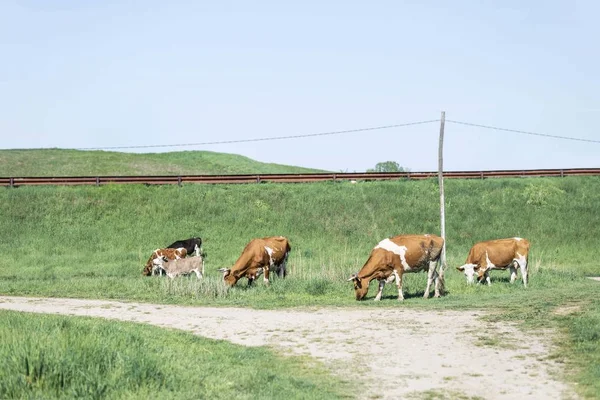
(391, 353)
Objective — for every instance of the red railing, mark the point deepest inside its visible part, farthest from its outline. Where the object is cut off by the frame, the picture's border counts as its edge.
(289, 178)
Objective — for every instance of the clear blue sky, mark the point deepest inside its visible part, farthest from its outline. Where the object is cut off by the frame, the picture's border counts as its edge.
(79, 74)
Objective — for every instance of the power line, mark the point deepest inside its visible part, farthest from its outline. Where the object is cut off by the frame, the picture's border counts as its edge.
(339, 133)
(261, 139)
(523, 132)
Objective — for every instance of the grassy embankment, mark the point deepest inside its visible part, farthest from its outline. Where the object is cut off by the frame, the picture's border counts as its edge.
(61, 162)
(92, 242)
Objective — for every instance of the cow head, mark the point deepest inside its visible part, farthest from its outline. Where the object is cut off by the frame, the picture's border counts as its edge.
(229, 278)
(147, 271)
(158, 265)
(361, 286)
(149, 267)
(470, 270)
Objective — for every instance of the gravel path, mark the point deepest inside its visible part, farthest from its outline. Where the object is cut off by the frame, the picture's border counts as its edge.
(391, 353)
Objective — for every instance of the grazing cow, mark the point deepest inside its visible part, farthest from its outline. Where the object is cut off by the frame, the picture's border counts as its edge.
(259, 256)
(192, 245)
(152, 268)
(181, 266)
(392, 257)
(509, 253)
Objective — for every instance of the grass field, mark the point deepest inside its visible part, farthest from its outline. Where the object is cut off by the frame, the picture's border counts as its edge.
(61, 162)
(85, 358)
(91, 242)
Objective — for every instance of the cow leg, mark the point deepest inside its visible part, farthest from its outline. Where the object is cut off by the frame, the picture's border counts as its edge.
(399, 285)
(438, 280)
(431, 276)
(513, 272)
(198, 274)
(380, 292)
(523, 265)
(250, 280)
(382, 283)
(282, 271)
(486, 266)
(266, 274)
(487, 278)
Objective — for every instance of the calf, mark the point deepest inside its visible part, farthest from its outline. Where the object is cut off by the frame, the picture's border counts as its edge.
(392, 257)
(509, 253)
(152, 268)
(258, 257)
(192, 245)
(181, 266)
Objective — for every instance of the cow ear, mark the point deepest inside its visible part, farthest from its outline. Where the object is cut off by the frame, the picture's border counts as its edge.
(461, 268)
(352, 277)
(225, 271)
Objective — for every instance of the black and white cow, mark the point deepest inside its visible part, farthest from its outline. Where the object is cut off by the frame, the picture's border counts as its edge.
(192, 245)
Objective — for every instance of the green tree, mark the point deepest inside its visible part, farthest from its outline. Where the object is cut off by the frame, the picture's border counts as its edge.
(387, 166)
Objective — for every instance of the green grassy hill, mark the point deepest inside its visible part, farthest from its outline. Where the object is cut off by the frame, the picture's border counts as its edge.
(60, 162)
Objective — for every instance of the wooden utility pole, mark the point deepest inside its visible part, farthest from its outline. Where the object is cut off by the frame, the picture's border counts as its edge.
(441, 184)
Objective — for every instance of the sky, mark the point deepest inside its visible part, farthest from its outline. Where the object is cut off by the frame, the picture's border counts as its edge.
(98, 74)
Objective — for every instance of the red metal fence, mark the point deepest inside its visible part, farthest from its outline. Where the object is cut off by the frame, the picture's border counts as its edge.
(289, 178)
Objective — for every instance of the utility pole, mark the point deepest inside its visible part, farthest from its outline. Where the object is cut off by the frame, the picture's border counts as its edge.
(441, 184)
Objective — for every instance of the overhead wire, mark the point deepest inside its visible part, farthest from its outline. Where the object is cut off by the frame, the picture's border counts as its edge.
(523, 132)
(339, 133)
(261, 139)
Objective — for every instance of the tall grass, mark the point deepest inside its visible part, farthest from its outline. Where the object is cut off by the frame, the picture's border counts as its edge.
(46, 357)
(92, 242)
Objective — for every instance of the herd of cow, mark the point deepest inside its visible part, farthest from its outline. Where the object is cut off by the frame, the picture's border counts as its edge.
(388, 261)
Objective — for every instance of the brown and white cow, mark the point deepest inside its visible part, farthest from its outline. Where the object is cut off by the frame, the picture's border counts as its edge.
(152, 268)
(258, 257)
(392, 257)
(509, 253)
